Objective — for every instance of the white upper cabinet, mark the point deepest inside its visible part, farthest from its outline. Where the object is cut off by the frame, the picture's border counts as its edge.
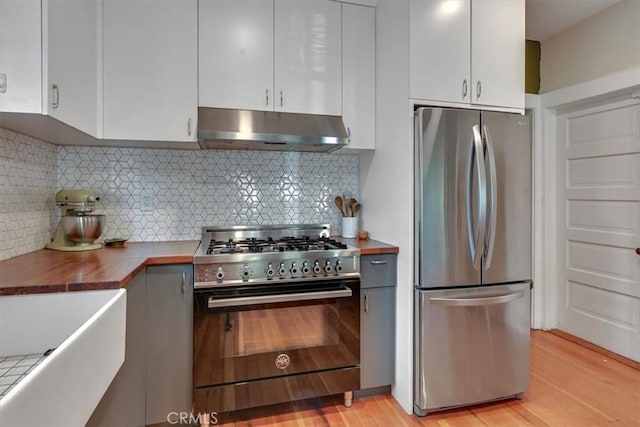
(468, 51)
(358, 74)
(71, 60)
(49, 60)
(440, 43)
(272, 55)
(150, 69)
(308, 56)
(498, 52)
(20, 56)
(236, 54)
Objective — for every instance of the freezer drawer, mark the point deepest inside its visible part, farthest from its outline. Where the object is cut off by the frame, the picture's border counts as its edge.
(472, 345)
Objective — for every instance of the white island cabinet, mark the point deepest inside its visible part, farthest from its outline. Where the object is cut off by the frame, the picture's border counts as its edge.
(279, 55)
(468, 52)
(150, 70)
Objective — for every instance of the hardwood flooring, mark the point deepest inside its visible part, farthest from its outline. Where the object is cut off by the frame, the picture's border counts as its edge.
(571, 385)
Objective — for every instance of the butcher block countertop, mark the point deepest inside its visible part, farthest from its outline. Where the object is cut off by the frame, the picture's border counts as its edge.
(107, 268)
(110, 267)
(371, 247)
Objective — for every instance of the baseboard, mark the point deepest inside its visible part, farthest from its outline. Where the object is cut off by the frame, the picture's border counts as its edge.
(608, 353)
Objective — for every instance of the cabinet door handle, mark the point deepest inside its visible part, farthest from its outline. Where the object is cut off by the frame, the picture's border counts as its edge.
(464, 88)
(366, 303)
(189, 126)
(3, 83)
(478, 89)
(56, 96)
(184, 282)
(266, 96)
(349, 133)
(378, 262)
(281, 98)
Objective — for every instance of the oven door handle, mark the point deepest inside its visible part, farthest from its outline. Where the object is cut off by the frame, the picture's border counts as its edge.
(269, 299)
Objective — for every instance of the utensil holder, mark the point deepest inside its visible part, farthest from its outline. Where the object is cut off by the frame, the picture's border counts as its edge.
(349, 227)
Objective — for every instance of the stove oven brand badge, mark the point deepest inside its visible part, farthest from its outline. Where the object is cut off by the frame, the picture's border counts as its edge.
(283, 361)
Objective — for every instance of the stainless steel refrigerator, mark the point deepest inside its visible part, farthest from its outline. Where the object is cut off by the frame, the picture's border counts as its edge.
(472, 257)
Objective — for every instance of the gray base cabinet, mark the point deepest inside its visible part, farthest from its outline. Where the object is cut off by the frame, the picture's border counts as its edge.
(123, 404)
(377, 320)
(169, 341)
(156, 376)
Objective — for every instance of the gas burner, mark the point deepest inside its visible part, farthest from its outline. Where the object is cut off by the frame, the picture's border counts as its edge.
(230, 256)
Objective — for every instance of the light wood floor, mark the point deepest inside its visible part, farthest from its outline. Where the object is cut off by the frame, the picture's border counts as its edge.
(571, 385)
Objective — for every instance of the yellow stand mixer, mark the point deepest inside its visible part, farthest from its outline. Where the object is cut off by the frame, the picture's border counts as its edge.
(78, 228)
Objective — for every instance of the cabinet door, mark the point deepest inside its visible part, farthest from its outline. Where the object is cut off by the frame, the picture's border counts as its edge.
(358, 74)
(20, 56)
(169, 340)
(308, 56)
(236, 54)
(123, 404)
(440, 46)
(71, 58)
(497, 55)
(150, 69)
(377, 345)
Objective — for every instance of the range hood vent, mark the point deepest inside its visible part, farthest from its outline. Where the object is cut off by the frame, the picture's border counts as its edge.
(267, 130)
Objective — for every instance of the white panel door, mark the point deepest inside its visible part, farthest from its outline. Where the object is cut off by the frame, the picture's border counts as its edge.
(150, 70)
(440, 46)
(497, 52)
(308, 56)
(20, 56)
(599, 224)
(71, 58)
(235, 54)
(358, 74)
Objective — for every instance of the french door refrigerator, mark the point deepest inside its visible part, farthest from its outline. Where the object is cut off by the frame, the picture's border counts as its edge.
(472, 265)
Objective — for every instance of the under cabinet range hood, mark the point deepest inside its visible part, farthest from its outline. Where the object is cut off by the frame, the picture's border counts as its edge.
(231, 129)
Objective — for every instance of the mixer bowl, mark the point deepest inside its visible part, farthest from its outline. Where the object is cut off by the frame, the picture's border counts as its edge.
(83, 229)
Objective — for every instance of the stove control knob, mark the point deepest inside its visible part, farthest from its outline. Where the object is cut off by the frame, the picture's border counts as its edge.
(294, 269)
(305, 268)
(245, 272)
(316, 267)
(270, 271)
(281, 270)
(220, 274)
(338, 266)
(327, 267)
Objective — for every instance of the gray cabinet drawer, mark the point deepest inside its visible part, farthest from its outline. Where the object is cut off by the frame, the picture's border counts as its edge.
(378, 270)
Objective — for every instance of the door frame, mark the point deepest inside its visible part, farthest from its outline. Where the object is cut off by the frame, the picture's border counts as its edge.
(613, 87)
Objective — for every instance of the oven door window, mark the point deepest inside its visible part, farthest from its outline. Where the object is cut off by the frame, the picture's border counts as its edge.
(276, 327)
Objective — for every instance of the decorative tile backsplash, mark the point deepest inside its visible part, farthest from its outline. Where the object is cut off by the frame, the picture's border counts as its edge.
(27, 188)
(156, 195)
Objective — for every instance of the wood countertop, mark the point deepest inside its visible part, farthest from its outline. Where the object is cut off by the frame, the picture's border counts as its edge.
(107, 268)
(371, 247)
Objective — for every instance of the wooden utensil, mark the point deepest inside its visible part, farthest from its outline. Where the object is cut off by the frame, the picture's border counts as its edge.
(356, 208)
(340, 204)
(351, 203)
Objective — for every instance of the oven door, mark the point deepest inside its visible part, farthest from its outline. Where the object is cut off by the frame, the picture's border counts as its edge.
(268, 331)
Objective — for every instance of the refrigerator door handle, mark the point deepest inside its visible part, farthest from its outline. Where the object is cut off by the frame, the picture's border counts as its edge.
(470, 302)
(493, 203)
(477, 239)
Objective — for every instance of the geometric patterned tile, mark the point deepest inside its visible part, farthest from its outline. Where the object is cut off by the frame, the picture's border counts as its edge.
(192, 189)
(27, 188)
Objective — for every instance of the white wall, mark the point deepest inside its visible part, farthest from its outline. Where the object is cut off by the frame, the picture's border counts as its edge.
(387, 176)
(603, 44)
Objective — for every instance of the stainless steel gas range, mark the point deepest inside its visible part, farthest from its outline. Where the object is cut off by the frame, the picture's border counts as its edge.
(276, 316)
